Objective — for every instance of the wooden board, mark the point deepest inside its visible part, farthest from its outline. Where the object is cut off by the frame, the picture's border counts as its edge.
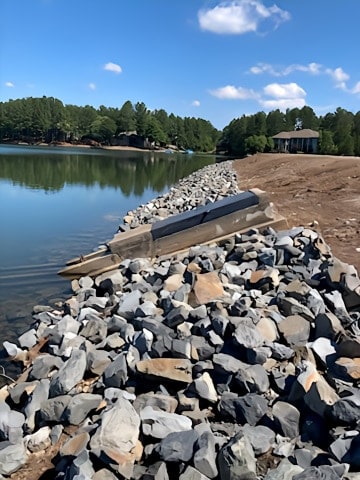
(92, 266)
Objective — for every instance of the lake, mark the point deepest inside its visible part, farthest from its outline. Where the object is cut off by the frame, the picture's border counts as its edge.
(57, 203)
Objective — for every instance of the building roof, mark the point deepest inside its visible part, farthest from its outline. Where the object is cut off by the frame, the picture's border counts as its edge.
(306, 133)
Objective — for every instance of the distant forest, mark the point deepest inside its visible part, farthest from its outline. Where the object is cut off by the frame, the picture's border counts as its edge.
(47, 119)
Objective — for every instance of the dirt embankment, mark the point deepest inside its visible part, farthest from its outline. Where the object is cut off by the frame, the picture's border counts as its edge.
(312, 188)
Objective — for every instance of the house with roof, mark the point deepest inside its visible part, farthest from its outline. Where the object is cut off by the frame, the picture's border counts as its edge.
(305, 141)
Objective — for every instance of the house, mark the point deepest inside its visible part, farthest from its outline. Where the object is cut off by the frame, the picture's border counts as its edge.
(131, 139)
(305, 141)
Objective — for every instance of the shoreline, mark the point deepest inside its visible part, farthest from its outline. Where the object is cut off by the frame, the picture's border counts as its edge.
(165, 366)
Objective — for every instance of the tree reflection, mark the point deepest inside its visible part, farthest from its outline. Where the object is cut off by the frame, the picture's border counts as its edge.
(132, 172)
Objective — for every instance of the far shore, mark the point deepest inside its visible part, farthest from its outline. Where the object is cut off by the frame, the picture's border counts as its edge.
(80, 145)
(105, 147)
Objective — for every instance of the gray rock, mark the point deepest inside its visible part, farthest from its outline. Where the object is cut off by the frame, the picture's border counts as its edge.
(261, 438)
(236, 460)
(227, 363)
(284, 471)
(158, 401)
(104, 474)
(43, 365)
(98, 303)
(248, 337)
(28, 339)
(204, 387)
(69, 374)
(52, 410)
(205, 455)
(98, 361)
(251, 408)
(295, 329)
(86, 282)
(178, 446)
(128, 304)
(181, 348)
(176, 316)
(55, 433)
(21, 388)
(115, 374)
(12, 457)
(40, 440)
(253, 379)
(287, 417)
(324, 472)
(345, 411)
(160, 424)
(291, 306)
(95, 330)
(143, 341)
(118, 431)
(11, 423)
(192, 474)
(38, 396)
(80, 406)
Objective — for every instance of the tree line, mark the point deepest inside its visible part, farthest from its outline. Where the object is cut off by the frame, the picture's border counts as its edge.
(47, 119)
(339, 132)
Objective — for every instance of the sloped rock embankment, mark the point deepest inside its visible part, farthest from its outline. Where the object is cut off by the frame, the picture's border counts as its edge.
(237, 360)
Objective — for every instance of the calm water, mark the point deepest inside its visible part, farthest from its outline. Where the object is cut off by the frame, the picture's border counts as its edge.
(56, 204)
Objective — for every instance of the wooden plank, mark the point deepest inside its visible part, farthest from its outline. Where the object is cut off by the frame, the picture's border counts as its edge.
(98, 253)
(155, 240)
(134, 243)
(88, 267)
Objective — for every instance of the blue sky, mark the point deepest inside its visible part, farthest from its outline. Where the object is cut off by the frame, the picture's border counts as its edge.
(202, 58)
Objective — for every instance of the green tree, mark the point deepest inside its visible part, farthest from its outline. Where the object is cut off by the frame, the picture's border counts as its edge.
(105, 127)
(141, 118)
(234, 136)
(154, 131)
(275, 123)
(255, 143)
(87, 116)
(126, 120)
(260, 123)
(309, 118)
(291, 117)
(356, 134)
(343, 128)
(326, 143)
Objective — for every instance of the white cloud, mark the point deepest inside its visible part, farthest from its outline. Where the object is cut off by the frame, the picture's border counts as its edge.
(281, 95)
(284, 90)
(356, 89)
(230, 92)
(9, 84)
(284, 95)
(282, 103)
(240, 16)
(92, 86)
(339, 76)
(112, 67)
(195, 103)
(312, 68)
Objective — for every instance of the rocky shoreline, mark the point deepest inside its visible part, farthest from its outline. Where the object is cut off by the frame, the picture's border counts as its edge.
(236, 360)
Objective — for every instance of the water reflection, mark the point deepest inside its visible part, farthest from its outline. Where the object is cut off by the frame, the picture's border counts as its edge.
(132, 172)
(58, 203)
